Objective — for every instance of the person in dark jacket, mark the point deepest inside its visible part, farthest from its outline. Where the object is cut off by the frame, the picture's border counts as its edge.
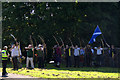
(112, 56)
(40, 54)
(55, 55)
(68, 54)
(58, 50)
(88, 56)
(112, 51)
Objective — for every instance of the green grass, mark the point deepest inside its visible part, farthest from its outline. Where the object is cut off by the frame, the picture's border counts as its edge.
(53, 72)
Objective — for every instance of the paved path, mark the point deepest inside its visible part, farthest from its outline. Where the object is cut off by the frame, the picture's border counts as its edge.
(10, 75)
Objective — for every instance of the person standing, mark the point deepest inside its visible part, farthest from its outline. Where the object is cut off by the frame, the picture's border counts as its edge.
(45, 54)
(40, 54)
(5, 56)
(99, 55)
(19, 55)
(112, 56)
(88, 55)
(15, 54)
(63, 61)
(68, 56)
(82, 54)
(55, 54)
(30, 55)
(58, 50)
(93, 57)
(76, 56)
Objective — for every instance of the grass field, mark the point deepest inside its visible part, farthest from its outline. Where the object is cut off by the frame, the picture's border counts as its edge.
(52, 72)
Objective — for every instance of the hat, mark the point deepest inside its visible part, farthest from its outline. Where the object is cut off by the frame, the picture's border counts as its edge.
(39, 45)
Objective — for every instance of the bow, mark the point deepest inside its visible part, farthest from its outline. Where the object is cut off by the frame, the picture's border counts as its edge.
(80, 42)
(103, 45)
(83, 42)
(18, 47)
(13, 37)
(31, 41)
(56, 40)
(43, 42)
(71, 42)
(35, 42)
(62, 42)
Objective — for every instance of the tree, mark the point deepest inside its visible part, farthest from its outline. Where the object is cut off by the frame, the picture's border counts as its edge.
(67, 20)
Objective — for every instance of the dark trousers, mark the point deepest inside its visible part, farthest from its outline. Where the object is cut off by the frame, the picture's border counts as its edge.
(68, 61)
(81, 60)
(111, 62)
(4, 64)
(55, 59)
(15, 62)
(34, 60)
(45, 61)
(99, 60)
(19, 63)
(88, 60)
(40, 62)
(77, 61)
(58, 58)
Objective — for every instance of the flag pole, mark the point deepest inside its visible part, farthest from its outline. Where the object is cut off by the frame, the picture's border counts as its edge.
(102, 45)
(105, 41)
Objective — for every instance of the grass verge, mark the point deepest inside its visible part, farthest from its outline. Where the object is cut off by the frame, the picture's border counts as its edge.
(53, 72)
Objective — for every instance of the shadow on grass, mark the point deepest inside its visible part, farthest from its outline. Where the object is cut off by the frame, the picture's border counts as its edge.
(88, 69)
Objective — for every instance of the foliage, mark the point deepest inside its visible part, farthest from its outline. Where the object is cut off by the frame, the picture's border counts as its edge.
(74, 20)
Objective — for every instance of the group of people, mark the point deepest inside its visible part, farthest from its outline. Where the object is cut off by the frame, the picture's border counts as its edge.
(71, 55)
(80, 57)
(39, 52)
(15, 55)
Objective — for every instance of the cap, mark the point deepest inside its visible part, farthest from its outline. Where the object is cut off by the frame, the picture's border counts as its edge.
(5, 47)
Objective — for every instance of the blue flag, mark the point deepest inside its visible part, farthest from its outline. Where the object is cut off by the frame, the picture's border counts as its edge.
(96, 33)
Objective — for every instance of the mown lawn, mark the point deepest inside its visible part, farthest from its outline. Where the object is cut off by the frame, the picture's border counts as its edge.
(52, 72)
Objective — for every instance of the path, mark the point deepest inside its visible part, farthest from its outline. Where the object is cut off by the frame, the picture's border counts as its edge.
(10, 75)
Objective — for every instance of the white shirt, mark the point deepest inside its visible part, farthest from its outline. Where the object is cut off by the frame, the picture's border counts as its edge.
(76, 51)
(15, 51)
(99, 50)
(92, 51)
